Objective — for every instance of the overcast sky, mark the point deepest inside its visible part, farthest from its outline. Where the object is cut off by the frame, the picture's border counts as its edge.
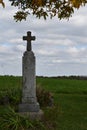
(60, 46)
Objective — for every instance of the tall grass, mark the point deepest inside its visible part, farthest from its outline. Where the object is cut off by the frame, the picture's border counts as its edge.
(10, 89)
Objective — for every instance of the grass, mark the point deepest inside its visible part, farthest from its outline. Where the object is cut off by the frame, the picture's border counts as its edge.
(59, 85)
(70, 95)
(10, 82)
(70, 99)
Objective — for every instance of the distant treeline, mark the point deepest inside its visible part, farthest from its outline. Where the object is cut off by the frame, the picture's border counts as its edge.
(56, 77)
(67, 77)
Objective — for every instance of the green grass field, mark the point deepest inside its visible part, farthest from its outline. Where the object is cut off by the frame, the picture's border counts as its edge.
(70, 101)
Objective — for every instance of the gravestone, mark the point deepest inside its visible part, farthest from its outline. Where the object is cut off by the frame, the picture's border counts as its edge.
(29, 99)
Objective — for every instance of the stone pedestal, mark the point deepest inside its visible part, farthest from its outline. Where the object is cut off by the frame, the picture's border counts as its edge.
(29, 100)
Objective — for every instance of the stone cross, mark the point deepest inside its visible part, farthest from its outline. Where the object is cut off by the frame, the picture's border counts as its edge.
(29, 38)
(29, 100)
(29, 104)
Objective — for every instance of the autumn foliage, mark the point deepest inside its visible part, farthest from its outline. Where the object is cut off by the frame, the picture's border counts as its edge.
(3, 4)
(46, 8)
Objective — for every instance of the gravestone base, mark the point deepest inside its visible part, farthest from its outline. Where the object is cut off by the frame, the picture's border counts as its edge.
(33, 115)
(25, 107)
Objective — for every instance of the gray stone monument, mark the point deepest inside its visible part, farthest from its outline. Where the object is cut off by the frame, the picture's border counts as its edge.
(29, 99)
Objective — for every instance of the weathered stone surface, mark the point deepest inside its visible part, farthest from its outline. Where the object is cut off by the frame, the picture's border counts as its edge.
(29, 100)
(33, 115)
(29, 78)
(26, 107)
